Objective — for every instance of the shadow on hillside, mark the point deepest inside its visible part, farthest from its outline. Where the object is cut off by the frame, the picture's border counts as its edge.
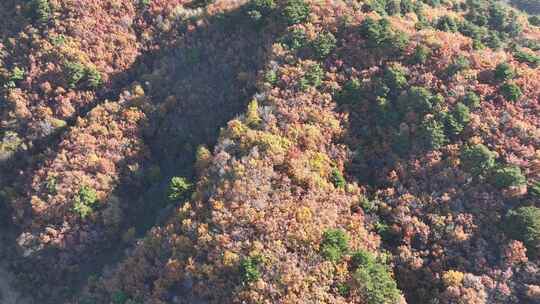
(196, 86)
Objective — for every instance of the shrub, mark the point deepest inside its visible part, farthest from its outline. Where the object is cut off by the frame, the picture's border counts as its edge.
(511, 91)
(504, 72)
(421, 54)
(85, 201)
(431, 133)
(296, 11)
(324, 44)
(472, 100)
(477, 159)
(249, 269)
(447, 24)
(178, 187)
(523, 224)
(312, 78)
(334, 244)
(337, 178)
(508, 176)
(374, 279)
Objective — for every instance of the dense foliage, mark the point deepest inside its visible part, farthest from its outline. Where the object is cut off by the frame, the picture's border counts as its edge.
(270, 151)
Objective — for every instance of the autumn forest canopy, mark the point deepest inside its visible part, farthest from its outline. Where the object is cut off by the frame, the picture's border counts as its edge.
(269, 151)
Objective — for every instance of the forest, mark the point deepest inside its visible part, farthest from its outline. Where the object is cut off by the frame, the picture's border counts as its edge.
(269, 151)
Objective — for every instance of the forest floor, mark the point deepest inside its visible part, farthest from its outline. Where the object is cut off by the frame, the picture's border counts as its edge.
(7, 294)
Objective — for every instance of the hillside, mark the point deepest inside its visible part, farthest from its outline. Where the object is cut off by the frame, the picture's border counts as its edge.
(270, 151)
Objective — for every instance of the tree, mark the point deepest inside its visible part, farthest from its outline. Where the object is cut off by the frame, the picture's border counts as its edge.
(534, 189)
(258, 10)
(534, 20)
(334, 244)
(41, 10)
(523, 224)
(379, 34)
(460, 63)
(395, 78)
(511, 91)
(431, 133)
(477, 159)
(421, 54)
(178, 187)
(337, 178)
(447, 24)
(527, 57)
(296, 11)
(85, 201)
(324, 44)
(350, 93)
(456, 120)
(249, 269)
(374, 279)
(296, 39)
(418, 99)
(312, 78)
(406, 6)
(393, 7)
(472, 100)
(253, 118)
(378, 6)
(507, 176)
(504, 72)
